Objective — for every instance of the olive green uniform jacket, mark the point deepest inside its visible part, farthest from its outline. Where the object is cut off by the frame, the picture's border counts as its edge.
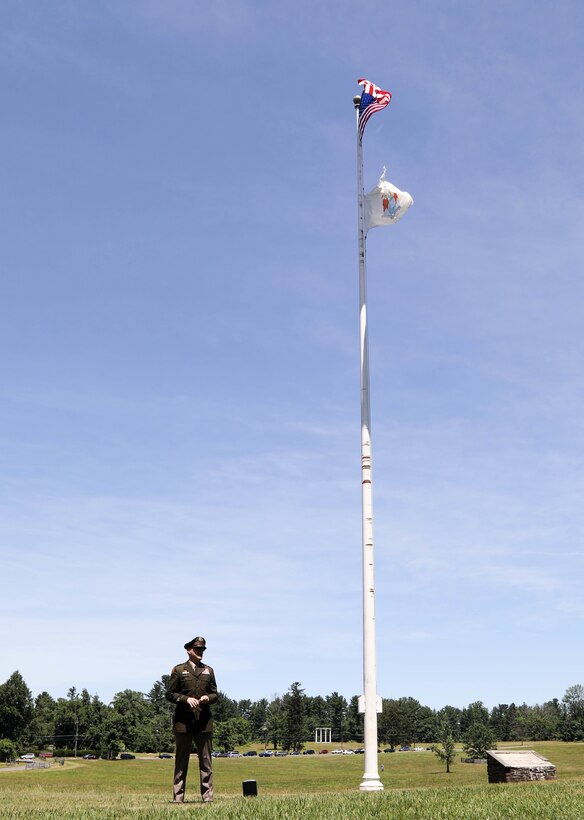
(188, 682)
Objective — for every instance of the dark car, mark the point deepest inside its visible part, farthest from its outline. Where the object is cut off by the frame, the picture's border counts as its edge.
(266, 754)
(127, 756)
(165, 756)
(308, 752)
(251, 753)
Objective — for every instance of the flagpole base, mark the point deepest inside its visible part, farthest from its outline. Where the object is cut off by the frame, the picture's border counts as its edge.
(371, 783)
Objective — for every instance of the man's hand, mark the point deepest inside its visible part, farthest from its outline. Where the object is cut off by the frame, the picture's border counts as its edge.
(194, 703)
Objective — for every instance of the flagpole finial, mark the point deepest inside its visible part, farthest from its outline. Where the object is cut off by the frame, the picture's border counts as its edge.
(357, 101)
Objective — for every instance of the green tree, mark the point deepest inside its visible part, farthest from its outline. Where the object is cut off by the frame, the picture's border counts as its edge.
(411, 711)
(16, 708)
(316, 714)
(573, 723)
(274, 726)
(337, 715)
(354, 720)
(71, 720)
(502, 720)
(161, 711)
(294, 723)
(41, 730)
(520, 728)
(552, 711)
(426, 725)
(224, 708)
(244, 708)
(135, 720)
(93, 717)
(398, 722)
(222, 738)
(257, 718)
(478, 738)
(110, 739)
(474, 713)
(232, 732)
(451, 714)
(389, 724)
(446, 750)
(8, 750)
(536, 722)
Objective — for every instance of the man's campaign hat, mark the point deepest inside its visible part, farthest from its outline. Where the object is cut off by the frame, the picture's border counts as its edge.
(198, 641)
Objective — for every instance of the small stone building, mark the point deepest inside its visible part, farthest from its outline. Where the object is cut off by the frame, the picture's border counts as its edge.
(516, 765)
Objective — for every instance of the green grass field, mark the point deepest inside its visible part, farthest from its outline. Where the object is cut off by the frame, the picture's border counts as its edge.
(416, 786)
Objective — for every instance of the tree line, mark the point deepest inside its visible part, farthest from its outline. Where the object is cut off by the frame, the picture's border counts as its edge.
(142, 722)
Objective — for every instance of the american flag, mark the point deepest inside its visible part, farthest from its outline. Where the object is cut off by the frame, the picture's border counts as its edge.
(372, 99)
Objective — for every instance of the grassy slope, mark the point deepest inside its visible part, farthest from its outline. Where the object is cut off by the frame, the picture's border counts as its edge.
(321, 787)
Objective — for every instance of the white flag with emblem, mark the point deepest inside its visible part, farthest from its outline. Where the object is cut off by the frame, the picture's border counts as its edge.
(385, 204)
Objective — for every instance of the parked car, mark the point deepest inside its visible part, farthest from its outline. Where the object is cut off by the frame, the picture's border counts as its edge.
(127, 756)
(324, 752)
(295, 753)
(165, 756)
(360, 751)
(90, 757)
(308, 752)
(281, 754)
(266, 753)
(251, 753)
(348, 752)
(234, 754)
(27, 756)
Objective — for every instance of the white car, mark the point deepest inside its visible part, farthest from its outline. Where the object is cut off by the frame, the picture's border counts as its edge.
(27, 756)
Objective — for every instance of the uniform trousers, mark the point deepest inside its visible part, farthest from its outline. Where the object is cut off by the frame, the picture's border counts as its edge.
(184, 745)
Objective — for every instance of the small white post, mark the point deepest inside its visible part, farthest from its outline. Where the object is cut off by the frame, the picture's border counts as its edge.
(371, 781)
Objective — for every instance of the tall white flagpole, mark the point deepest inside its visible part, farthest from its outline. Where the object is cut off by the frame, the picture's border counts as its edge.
(371, 781)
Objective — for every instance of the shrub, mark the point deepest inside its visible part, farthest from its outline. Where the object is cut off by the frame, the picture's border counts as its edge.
(8, 750)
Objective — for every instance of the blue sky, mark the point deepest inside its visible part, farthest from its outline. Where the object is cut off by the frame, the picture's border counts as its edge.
(179, 382)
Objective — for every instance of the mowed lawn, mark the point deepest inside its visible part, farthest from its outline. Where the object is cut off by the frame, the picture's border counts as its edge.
(320, 786)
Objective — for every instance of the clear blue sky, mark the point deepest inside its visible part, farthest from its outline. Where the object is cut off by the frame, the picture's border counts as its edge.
(179, 380)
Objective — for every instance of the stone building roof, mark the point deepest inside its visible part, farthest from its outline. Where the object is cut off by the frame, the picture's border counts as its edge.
(519, 758)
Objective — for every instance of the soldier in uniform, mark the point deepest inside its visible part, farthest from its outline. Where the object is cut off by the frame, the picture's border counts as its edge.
(192, 688)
